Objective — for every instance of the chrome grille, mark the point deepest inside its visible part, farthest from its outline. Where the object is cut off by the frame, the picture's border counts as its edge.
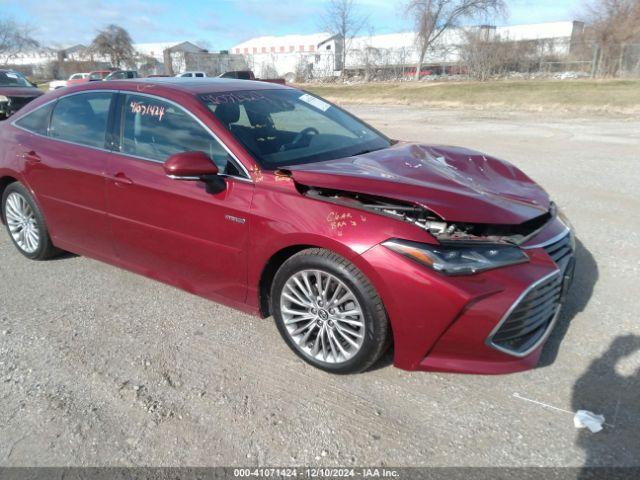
(530, 318)
(561, 250)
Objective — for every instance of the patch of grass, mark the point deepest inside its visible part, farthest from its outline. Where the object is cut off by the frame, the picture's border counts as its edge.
(619, 96)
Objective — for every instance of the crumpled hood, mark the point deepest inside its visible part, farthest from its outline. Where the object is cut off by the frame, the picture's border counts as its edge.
(458, 184)
(20, 92)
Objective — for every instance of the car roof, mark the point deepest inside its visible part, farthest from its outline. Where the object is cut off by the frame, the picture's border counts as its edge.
(194, 86)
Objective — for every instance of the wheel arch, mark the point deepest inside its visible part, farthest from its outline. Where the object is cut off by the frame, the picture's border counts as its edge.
(5, 181)
(282, 254)
(269, 272)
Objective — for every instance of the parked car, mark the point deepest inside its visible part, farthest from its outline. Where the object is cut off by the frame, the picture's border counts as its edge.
(249, 75)
(78, 78)
(239, 74)
(56, 84)
(122, 75)
(276, 202)
(74, 79)
(99, 75)
(15, 92)
(411, 72)
(192, 75)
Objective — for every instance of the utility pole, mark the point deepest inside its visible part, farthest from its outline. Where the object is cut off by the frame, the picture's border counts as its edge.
(594, 62)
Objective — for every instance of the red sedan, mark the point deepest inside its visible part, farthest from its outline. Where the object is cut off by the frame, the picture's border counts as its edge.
(276, 202)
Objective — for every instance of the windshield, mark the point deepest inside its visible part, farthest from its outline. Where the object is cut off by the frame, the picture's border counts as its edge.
(290, 127)
(13, 79)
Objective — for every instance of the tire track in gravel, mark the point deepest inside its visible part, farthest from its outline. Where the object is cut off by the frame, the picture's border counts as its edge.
(295, 377)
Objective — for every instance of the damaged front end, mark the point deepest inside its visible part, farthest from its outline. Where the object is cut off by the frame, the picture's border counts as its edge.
(420, 216)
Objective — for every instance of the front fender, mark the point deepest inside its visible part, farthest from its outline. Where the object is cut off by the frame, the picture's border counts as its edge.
(282, 218)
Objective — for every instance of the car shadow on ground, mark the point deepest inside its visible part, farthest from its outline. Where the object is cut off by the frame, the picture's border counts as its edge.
(611, 386)
(585, 279)
(386, 360)
(63, 256)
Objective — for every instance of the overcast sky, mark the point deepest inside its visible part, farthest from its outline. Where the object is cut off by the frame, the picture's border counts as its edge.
(223, 23)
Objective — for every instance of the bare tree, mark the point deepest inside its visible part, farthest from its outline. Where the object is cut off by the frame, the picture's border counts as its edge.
(115, 43)
(147, 64)
(432, 18)
(480, 54)
(484, 54)
(342, 18)
(14, 40)
(303, 70)
(613, 23)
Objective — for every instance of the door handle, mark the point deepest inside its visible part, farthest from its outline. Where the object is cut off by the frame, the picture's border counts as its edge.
(122, 179)
(31, 157)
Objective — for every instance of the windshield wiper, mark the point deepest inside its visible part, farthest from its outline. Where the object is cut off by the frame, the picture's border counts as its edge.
(364, 152)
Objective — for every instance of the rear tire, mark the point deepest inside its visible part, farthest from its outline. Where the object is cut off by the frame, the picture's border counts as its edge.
(328, 312)
(25, 223)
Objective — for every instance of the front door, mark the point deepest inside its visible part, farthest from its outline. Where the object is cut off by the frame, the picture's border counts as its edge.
(169, 229)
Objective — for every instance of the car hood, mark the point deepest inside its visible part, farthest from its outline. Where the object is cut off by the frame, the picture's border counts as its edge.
(20, 92)
(458, 184)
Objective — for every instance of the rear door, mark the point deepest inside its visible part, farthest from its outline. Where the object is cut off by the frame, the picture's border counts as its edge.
(170, 229)
(65, 166)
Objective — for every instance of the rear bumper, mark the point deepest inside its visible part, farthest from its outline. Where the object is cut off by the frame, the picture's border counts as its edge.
(459, 324)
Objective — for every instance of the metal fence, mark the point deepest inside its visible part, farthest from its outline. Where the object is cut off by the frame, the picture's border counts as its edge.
(493, 60)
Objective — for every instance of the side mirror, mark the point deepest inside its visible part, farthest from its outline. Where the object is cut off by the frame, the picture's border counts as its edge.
(195, 166)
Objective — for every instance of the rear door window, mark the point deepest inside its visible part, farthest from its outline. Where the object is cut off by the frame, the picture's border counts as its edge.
(38, 120)
(82, 118)
(153, 129)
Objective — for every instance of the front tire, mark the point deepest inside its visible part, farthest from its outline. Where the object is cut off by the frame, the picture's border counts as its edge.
(328, 312)
(25, 223)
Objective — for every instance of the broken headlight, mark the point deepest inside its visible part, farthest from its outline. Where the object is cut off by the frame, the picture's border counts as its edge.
(458, 260)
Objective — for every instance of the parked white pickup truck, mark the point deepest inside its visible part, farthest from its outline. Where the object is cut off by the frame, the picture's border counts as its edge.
(56, 84)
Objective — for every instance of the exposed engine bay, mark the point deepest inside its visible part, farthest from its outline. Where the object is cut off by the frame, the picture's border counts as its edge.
(423, 218)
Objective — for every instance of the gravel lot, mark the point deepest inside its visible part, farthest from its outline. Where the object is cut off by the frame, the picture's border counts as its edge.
(99, 366)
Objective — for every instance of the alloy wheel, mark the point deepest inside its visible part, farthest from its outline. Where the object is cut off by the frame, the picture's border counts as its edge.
(322, 316)
(22, 223)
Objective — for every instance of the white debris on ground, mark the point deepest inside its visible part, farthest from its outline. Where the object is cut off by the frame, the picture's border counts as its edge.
(587, 419)
(581, 418)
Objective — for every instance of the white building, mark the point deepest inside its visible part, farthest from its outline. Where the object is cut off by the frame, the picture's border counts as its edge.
(282, 56)
(319, 53)
(155, 50)
(39, 57)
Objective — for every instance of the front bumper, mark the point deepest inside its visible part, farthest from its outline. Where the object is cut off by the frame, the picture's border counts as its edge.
(489, 323)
